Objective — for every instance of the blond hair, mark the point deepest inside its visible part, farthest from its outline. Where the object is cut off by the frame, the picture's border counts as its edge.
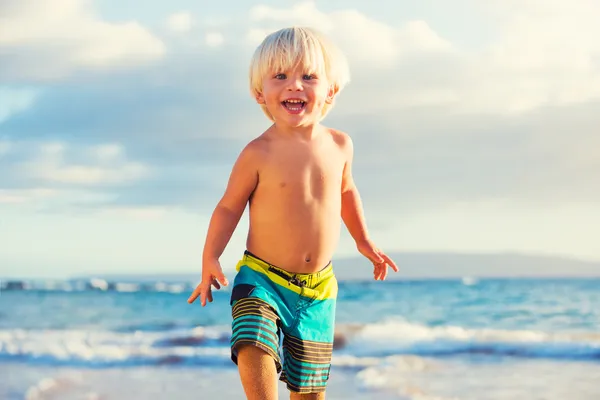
(289, 47)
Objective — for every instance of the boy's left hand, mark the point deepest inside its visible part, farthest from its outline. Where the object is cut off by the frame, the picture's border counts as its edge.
(379, 259)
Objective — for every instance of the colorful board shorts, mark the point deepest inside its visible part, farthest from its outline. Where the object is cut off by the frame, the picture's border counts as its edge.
(290, 316)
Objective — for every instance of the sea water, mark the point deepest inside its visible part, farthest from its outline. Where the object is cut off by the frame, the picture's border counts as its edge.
(445, 339)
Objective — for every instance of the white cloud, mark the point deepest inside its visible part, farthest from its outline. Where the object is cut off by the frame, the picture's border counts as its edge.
(82, 174)
(47, 198)
(20, 196)
(497, 226)
(107, 152)
(418, 36)
(51, 166)
(366, 41)
(214, 39)
(52, 149)
(192, 34)
(301, 13)
(394, 54)
(52, 42)
(180, 22)
(254, 36)
(135, 212)
(543, 54)
(411, 80)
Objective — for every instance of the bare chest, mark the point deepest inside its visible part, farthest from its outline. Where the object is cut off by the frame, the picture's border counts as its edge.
(305, 171)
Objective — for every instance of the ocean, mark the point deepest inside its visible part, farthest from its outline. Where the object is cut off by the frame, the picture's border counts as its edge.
(446, 339)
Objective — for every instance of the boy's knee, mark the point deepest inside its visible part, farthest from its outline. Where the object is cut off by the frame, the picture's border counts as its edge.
(248, 350)
(251, 354)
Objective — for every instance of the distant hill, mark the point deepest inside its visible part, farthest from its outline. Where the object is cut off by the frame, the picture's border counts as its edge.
(449, 265)
(413, 266)
(431, 265)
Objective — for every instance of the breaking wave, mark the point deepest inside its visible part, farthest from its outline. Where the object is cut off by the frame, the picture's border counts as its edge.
(356, 346)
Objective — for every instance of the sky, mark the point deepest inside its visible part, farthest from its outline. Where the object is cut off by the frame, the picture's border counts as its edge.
(476, 126)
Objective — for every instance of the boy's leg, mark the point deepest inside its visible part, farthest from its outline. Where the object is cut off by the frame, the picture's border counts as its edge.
(308, 345)
(258, 373)
(255, 342)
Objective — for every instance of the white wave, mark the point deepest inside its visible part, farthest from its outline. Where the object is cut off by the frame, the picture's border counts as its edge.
(99, 284)
(469, 280)
(161, 287)
(401, 337)
(352, 361)
(127, 287)
(176, 288)
(363, 347)
(94, 284)
(102, 347)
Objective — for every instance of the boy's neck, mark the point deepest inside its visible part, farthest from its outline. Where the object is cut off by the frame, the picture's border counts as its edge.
(307, 133)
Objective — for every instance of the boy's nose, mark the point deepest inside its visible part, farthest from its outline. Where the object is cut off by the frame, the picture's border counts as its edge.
(295, 84)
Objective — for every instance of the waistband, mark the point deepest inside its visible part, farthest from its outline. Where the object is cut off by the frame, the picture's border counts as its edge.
(303, 280)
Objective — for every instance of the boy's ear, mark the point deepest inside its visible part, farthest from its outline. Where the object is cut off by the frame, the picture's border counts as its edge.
(333, 90)
(260, 98)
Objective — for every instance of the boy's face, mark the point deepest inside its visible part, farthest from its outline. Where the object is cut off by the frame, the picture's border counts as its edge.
(295, 97)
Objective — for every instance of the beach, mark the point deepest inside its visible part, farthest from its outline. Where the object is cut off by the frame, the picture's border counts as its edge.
(523, 380)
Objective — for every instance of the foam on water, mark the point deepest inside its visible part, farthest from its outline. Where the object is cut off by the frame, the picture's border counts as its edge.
(93, 284)
(359, 346)
(109, 349)
(401, 337)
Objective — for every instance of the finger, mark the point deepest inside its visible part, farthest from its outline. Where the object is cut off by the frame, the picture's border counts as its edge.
(384, 272)
(372, 255)
(215, 283)
(209, 296)
(377, 272)
(204, 291)
(376, 258)
(194, 295)
(382, 268)
(391, 263)
(221, 278)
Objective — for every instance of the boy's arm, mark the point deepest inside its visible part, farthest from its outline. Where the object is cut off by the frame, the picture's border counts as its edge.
(352, 209)
(242, 182)
(354, 219)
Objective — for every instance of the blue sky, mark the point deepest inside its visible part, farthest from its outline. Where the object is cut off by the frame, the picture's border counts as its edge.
(475, 127)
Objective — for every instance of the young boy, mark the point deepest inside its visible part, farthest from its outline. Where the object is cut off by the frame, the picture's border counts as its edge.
(297, 179)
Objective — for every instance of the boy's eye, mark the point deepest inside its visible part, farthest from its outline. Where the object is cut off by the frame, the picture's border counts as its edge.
(280, 76)
(309, 77)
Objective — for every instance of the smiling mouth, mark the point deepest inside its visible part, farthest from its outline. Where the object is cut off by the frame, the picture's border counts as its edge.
(294, 105)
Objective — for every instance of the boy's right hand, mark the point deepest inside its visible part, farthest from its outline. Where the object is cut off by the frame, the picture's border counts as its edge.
(212, 274)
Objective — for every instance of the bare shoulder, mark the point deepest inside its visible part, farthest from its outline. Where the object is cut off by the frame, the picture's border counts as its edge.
(257, 145)
(342, 140)
(254, 150)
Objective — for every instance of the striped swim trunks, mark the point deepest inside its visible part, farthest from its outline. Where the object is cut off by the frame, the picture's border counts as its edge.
(290, 316)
